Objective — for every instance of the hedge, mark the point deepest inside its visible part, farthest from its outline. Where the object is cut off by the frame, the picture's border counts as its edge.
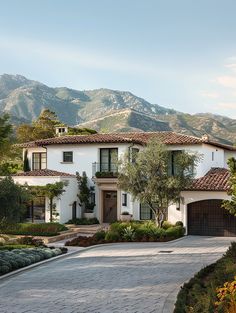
(27, 229)
(18, 258)
(199, 294)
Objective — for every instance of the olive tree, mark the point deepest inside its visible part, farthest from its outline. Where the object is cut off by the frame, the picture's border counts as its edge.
(230, 205)
(157, 177)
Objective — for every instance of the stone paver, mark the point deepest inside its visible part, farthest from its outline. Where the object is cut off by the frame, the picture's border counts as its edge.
(133, 277)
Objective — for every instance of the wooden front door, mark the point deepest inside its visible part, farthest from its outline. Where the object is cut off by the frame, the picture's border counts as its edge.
(109, 206)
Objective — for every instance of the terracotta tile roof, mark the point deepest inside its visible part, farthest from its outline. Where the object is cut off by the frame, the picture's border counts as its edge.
(44, 173)
(167, 137)
(217, 179)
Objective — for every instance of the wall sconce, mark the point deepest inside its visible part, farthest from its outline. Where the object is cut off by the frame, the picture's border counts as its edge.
(178, 205)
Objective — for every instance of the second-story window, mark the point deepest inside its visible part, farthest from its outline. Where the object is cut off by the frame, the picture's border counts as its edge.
(133, 153)
(108, 159)
(39, 160)
(68, 156)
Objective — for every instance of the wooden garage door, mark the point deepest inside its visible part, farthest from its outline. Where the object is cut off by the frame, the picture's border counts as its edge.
(209, 219)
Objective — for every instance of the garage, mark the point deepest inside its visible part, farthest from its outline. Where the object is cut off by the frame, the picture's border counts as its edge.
(208, 218)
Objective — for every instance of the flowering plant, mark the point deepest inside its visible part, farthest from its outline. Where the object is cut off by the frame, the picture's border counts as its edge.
(226, 297)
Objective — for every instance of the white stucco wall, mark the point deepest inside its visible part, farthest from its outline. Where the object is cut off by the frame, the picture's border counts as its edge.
(63, 203)
(84, 155)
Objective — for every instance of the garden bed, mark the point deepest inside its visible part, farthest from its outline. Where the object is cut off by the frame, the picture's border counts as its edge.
(199, 295)
(131, 232)
(31, 229)
(15, 258)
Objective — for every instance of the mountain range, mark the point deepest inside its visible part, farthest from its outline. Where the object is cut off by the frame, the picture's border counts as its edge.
(105, 110)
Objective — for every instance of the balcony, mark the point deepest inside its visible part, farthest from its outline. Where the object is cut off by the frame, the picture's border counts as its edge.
(105, 170)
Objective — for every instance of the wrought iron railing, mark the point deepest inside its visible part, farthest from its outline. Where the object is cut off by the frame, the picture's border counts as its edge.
(104, 170)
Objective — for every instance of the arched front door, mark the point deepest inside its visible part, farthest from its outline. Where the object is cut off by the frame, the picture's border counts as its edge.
(208, 218)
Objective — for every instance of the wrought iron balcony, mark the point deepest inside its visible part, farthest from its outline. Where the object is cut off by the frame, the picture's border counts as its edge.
(105, 170)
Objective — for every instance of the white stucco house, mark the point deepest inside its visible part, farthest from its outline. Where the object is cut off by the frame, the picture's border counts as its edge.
(59, 158)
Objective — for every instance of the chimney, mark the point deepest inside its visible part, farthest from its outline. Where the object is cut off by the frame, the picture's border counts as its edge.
(61, 130)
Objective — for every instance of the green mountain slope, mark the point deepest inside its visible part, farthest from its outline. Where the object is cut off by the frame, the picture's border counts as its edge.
(105, 110)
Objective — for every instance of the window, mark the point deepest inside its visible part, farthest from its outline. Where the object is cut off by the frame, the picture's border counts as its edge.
(92, 197)
(145, 212)
(36, 209)
(68, 156)
(108, 159)
(134, 153)
(173, 169)
(124, 199)
(39, 160)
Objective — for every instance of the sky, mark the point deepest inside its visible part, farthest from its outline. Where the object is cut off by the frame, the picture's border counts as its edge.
(178, 54)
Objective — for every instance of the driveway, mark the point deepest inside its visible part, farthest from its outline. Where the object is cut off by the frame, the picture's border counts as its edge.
(132, 277)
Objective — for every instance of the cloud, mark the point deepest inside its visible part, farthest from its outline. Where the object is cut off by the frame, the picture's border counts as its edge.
(209, 94)
(226, 81)
(231, 66)
(227, 105)
(74, 55)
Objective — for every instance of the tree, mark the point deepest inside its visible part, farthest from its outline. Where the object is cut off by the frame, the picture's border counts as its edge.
(26, 166)
(12, 200)
(5, 135)
(157, 177)
(43, 127)
(85, 192)
(10, 161)
(24, 133)
(230, 205)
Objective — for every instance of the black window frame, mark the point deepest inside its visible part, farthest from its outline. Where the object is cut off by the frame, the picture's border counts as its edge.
(63, 157)
(133, 154)
(40, 160)
(151, 215)
(109, 167)
(124, 199)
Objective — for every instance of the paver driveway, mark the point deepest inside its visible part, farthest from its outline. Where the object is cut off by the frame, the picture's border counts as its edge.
(113, 278)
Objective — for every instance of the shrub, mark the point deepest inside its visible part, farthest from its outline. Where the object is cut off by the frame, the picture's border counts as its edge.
(42, 229)
(14, 246)
(17, 258)
(112, 236)
(200, 293)
(84, 221)
(31, 241)
(179, 223)
(166, 225)
(128, 233)
(100, 235)
(175, 232)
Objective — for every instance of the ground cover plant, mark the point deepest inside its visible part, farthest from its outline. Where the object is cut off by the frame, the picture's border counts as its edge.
(83, 221)
(131, 232)
(31, 229)
(12, 259)
(200, 294)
